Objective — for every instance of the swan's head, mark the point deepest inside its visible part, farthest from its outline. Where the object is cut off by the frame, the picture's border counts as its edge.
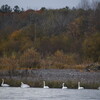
(21, 82)
(78, 84)
(44, 82)
(3, 80)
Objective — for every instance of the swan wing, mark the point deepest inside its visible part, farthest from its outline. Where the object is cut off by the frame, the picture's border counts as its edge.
(25, 86)
(45, 87)
(4, 85)
(64, 87)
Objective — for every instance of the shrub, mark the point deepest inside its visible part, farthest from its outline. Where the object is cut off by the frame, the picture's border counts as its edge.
(30, 59)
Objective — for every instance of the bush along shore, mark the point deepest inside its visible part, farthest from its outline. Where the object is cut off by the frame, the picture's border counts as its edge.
(53, 78)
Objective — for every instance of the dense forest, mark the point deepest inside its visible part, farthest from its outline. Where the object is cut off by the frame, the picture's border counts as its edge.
(49, 38)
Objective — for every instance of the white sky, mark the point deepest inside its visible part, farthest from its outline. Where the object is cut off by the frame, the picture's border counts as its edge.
(37, 4)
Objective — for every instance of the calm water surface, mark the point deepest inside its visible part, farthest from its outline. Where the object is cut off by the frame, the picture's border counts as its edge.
(12, 93)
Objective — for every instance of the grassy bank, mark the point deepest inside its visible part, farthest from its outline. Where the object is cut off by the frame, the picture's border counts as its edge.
(53, 77)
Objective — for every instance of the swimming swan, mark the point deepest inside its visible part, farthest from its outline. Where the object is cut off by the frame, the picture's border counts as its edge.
(44, 85)
(98, 88)
(24, 85)
(4, 85)
(64, 87)
(79, 86)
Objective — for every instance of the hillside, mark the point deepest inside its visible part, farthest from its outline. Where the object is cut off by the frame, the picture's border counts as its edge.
(49, 38)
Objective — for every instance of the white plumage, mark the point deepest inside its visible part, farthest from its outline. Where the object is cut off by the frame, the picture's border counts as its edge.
(4, 85)
(24, 85)
(98, 88)
(79, 86)
(44, 86)
(64, 87)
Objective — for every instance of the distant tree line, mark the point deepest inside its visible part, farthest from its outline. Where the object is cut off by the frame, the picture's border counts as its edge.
(6, 9)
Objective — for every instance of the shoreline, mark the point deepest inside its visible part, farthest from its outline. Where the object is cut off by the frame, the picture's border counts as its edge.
(54, 78)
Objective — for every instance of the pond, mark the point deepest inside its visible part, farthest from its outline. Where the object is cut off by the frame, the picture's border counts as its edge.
(17, 93)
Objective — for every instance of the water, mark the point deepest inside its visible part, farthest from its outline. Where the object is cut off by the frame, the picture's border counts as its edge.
(12, 93)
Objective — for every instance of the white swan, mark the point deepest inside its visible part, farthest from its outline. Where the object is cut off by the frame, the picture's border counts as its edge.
(64, 87)
(44, 85)
(98, 88)
(4, 85)
(79, 86)
(24, 85)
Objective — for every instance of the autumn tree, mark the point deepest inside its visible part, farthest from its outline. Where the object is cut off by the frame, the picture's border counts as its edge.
(30, 59)
(91, 47)
(24, 37)
(62, 60)
(10, 64)
(49, 31)
(97, 18)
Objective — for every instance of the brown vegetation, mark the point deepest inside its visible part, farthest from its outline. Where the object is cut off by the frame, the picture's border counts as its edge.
(61, 38)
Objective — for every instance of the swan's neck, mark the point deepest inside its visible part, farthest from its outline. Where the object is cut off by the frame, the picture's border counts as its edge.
(78, 84)
(44, 83)
(2, 81)
(22, 83)
(63, 85)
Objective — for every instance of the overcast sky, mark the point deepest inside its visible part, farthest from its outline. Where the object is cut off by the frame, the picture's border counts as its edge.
(37, 4)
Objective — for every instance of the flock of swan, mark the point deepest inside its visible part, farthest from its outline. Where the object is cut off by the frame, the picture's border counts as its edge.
(44, 86)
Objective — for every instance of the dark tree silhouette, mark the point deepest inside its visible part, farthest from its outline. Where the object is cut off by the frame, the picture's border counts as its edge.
(5, 8)
(16, 9)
